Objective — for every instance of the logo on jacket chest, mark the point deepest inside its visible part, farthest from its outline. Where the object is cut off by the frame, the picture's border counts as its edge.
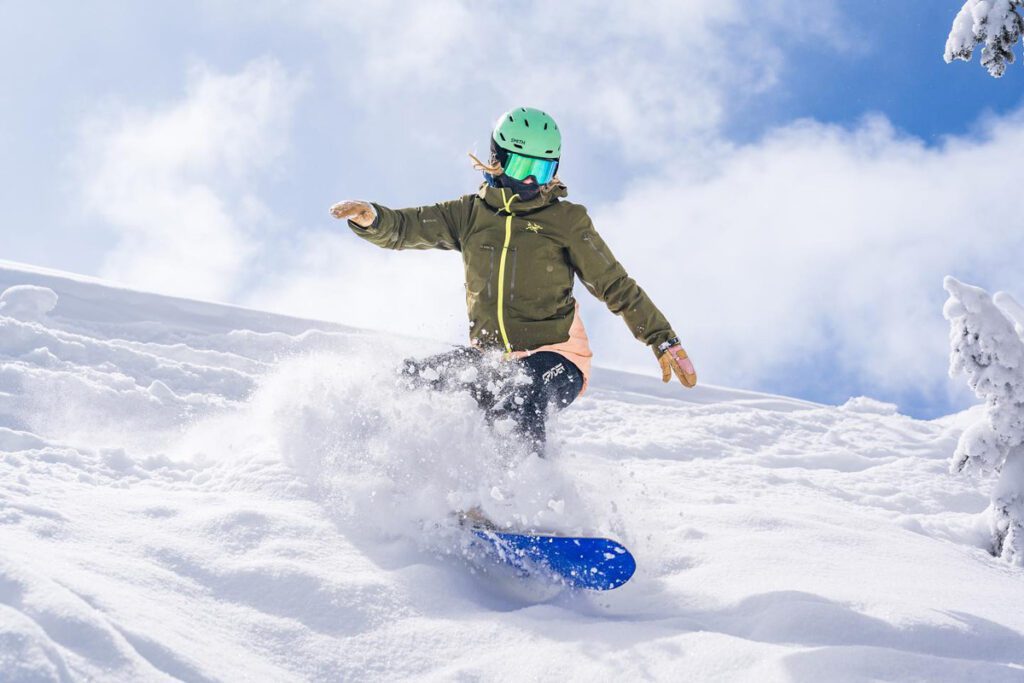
(533, 227)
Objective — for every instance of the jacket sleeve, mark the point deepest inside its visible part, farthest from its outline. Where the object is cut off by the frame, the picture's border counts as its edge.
(605, 278)
(438, 226)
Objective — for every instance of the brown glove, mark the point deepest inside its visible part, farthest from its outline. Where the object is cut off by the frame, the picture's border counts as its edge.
(360, 213)
(675, 360)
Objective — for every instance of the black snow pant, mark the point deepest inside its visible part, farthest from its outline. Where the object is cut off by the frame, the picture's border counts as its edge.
(522, 389)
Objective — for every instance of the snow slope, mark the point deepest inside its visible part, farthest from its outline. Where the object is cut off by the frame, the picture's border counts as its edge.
(200, 492)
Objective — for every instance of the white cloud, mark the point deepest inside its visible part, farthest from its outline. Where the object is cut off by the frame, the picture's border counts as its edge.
(821, 244)
(337, 276)
(644, 80)
(173, 182)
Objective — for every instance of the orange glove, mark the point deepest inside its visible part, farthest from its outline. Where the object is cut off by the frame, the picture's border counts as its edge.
(674, 360)
(360, 213)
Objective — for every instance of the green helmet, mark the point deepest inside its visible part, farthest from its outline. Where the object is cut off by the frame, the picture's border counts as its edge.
(528, 131)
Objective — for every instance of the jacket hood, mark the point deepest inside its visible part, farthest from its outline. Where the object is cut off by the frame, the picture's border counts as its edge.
(549, 194)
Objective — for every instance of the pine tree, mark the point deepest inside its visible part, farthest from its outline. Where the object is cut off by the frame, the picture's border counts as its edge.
(986, 346)
(994, 23)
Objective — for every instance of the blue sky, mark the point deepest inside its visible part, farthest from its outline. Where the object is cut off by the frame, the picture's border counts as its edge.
(895, 67)
(665, 111)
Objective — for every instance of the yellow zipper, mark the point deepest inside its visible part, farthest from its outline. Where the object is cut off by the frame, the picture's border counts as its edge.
(501, 269)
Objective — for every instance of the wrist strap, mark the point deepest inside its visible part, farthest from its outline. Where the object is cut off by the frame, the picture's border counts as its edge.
(668, 344)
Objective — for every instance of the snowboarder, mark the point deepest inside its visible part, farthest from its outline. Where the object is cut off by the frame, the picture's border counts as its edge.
(522, 245)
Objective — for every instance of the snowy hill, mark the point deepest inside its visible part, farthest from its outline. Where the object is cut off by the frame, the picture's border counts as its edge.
(205, 493)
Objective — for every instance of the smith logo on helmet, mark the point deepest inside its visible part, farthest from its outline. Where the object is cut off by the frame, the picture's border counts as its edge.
(517, 141)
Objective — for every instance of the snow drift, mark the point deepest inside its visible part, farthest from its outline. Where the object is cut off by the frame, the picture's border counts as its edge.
(197, 492)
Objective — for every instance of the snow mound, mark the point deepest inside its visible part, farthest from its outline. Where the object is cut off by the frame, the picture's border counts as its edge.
(864, 404)
(27, 302)
(198, 492)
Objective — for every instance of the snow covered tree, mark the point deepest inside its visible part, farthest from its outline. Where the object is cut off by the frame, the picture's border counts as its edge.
(985, 344)
(994, 23)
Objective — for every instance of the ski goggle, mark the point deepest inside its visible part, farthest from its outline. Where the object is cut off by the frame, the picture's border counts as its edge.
(521, 167)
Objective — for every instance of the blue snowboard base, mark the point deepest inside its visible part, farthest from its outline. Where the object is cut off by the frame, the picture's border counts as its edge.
(598, 564)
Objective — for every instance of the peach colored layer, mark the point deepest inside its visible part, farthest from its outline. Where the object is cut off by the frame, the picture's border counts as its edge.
(576, 348)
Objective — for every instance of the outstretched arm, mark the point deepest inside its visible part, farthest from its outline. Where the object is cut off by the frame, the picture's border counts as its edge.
(606, 278)
(438, 226)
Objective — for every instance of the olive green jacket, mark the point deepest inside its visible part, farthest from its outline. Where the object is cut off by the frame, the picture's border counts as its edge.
(520, 260)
